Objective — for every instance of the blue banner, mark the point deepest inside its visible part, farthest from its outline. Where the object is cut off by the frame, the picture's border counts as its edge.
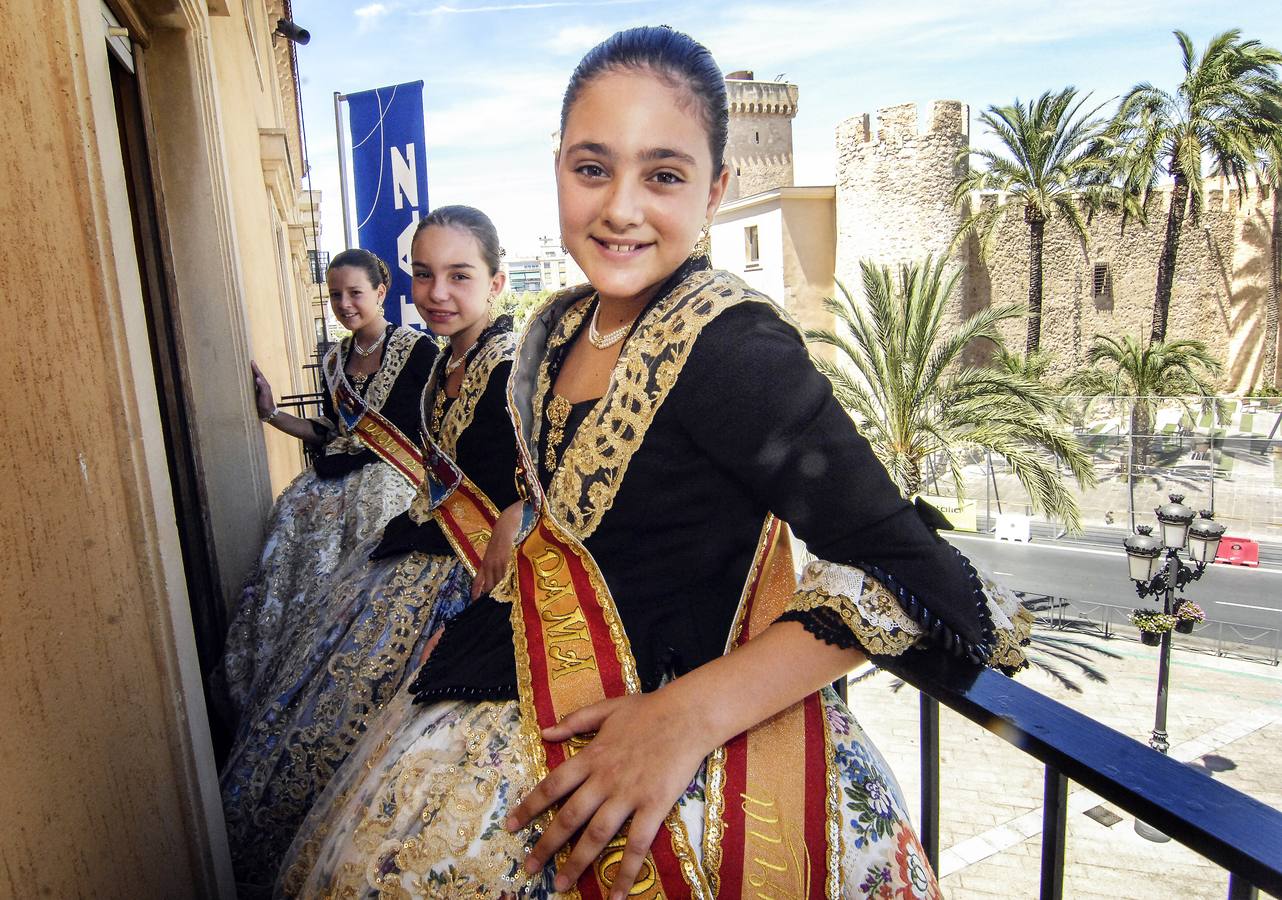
(389, 177)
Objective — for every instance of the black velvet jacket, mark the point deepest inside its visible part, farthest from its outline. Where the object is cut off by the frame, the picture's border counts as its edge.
(749, 427)
(486, 453)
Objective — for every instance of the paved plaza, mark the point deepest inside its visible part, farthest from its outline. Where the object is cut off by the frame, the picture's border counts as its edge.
(1225, 715)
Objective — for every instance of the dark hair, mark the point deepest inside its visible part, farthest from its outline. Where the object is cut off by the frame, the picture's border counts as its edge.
(678, 59)
(470, 219)
(368, 262)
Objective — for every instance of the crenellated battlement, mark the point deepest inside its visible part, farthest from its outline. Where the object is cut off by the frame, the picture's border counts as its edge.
(762, 98)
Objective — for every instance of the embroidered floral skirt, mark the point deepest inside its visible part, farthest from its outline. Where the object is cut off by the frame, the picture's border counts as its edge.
(314, 526)
(417, 811)
(346, 661)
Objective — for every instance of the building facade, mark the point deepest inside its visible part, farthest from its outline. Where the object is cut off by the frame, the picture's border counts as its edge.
(892, 203)
(153, 179)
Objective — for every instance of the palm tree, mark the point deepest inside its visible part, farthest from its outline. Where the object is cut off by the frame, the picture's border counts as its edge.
(897, 372)
(1144, 374)
(1052, 160)
(1221, 110)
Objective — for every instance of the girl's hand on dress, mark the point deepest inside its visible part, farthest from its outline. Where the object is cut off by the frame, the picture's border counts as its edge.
(263, 398)
(646, 751)
(498, 555)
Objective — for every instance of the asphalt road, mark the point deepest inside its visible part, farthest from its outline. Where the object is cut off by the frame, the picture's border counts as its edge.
(1242, 602)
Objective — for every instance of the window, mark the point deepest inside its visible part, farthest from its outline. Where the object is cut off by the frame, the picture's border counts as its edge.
(756, 137)
(1101, 281)
(751, 245)
(319, 260)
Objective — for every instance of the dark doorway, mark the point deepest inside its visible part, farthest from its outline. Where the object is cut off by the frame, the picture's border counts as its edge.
(203, 588)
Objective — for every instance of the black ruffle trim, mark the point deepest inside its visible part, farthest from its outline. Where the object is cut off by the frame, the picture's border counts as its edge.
(824, 623)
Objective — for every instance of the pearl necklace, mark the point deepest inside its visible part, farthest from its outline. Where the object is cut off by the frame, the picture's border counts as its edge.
(603, 341)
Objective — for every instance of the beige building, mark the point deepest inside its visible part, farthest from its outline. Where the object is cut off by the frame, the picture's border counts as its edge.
(782, 242)
(152, 170)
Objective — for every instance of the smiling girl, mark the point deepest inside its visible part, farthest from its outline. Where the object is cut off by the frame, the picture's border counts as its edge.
(655, 719)
(357, 641)
(347, 494)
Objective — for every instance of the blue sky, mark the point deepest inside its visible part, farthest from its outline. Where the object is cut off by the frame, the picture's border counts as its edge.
(495, 71)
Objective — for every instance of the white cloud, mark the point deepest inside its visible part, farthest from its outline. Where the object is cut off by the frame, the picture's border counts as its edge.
(369, 15)
(576, 39)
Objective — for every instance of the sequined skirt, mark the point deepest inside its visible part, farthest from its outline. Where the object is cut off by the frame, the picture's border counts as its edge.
(314, 526)
(348, 657)
(417, 811)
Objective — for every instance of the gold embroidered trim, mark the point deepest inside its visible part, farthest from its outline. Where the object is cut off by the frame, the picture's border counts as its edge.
(462, 411)
(1012, 624)
(595, 462)
(870, 611)
(475, 380)
(395, 355)
(565, 328)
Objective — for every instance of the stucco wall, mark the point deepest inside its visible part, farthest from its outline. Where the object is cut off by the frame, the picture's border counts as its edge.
(809, 258)
(102, 724)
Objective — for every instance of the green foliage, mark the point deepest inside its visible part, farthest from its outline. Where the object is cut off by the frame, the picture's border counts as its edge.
(899, 373)
(1053, 161)
(519, 305)
(1155, 622)
(1224, 109)
(1124, 367)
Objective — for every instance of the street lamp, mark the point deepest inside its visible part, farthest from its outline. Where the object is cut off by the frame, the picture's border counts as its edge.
(1156, 577)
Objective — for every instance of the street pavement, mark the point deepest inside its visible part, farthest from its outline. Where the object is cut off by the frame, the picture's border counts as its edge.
(1225, 715)
(1242, 605)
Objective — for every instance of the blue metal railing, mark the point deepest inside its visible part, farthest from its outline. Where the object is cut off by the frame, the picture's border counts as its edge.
(1233, 830)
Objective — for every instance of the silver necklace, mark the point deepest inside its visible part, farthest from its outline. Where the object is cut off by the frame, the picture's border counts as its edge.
(602, 341)
(361, 351)
(454, 362)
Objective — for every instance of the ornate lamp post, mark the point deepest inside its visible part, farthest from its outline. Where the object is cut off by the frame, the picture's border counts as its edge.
(1158, 577)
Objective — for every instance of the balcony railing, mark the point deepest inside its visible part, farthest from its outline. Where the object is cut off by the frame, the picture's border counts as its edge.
(1231, 829)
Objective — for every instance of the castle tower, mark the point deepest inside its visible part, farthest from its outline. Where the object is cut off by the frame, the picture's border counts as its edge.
(759, 145)
(895, 184)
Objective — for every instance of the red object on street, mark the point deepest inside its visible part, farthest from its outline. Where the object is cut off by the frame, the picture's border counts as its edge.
(1238, 552)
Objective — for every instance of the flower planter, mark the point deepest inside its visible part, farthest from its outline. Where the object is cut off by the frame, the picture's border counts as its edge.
(1151, 638)
(1185, 626)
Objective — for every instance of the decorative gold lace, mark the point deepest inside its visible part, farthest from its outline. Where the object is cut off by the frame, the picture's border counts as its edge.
(448, 428)
(395, 355)
(866, 607)
(592, 467)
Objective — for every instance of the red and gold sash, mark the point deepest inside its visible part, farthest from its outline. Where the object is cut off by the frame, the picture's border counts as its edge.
(571, 651)
(465, 514)
(778, 835)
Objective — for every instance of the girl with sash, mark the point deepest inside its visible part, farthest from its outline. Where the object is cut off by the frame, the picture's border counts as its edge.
(348, 494)
(367, 632)
(639, 709)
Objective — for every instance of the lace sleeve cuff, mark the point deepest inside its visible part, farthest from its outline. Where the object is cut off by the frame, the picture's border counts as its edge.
(884, 619)
(876, 621)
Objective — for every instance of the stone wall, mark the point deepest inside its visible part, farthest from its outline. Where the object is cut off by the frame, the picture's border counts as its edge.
(895, 183)
(1221, 281)
(759, 144)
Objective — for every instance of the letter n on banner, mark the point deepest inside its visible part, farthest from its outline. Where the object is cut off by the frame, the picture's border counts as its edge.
(389, 179)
